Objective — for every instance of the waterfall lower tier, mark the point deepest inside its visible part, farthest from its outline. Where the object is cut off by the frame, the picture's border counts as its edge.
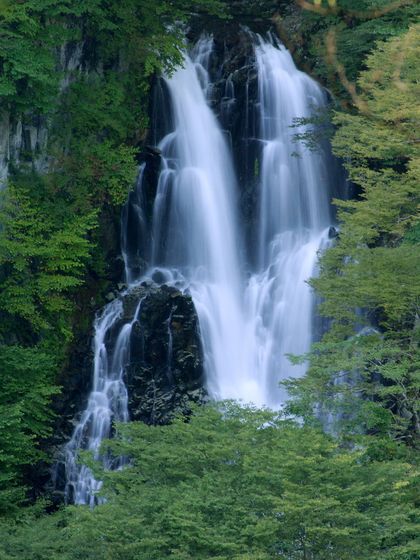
(148, 366)
(107, 401)
(241, 287)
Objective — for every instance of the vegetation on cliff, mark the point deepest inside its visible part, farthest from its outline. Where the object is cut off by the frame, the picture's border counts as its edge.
(366, 369)
(54, 241)
(332, 39)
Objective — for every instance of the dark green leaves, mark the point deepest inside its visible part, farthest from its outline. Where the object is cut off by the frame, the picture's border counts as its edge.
(234, 484)
(40, 259)
(371, 276)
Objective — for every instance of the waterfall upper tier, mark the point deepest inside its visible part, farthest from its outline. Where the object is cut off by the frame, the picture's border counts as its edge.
(246, 275)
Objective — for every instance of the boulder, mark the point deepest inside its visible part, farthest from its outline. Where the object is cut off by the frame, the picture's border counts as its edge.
(165, 372)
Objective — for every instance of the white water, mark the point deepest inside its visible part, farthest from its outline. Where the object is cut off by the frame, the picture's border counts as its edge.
(248, 322)
(195, 220)
(293, 224)
(107, 403)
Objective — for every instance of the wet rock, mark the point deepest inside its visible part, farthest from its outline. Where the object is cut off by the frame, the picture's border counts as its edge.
(165, 373)
(333, 233)
(138, 211)
(235, 101)
(153, 151)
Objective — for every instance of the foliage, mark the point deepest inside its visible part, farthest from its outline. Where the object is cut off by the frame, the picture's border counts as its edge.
(334, 39)
(218, 487)
(368, 383)
(27, 376)
(371, 275)
(136, 30)
(25, 79)
(234, 483)
(41, 258)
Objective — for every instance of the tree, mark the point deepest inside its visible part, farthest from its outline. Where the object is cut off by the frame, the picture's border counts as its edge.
(332, 39)
(370, 277)
(233, 483)
(26, 376)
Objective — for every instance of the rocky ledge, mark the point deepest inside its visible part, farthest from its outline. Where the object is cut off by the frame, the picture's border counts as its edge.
(165, 373)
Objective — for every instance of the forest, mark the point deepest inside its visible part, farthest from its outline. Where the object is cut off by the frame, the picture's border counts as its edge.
(330, 474)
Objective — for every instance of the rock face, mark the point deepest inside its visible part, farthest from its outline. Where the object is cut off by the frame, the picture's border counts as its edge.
(24, 138)
(162, 367)
(234, 99)
(166, 363)
(138, 212)
(165, 372)
(22, 141)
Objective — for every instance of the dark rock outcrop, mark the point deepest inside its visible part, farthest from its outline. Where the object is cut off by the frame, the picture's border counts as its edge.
(234, 100)
(165, 370)
(138, 212)
(164, 373)
(166, 364)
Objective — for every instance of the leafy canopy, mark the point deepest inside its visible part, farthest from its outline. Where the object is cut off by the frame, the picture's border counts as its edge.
(371, 275)
(233, 484)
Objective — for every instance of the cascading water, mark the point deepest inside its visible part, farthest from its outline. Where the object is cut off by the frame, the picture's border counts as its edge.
(196, 234)
(247, 324)
(248, 321)
(107, 402)
(294, 215)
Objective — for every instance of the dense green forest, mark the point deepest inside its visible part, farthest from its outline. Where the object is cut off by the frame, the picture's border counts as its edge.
(234, 483)
(231, 482)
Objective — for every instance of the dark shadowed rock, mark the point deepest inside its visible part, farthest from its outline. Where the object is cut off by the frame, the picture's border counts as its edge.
(165, 372)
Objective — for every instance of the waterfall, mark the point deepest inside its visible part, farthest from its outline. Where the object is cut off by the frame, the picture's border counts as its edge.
(248, 322)
(293, 193)
(294, 217)
(253, 303)
(107, 402)
(196, 232)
